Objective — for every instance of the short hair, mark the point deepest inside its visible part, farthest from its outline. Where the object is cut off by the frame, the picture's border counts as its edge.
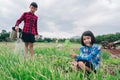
(88, 33)
(34, 4)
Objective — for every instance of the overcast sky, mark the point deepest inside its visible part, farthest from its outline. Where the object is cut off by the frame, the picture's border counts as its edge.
(65, 18)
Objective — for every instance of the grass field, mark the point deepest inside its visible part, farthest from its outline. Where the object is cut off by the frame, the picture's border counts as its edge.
(52, 63)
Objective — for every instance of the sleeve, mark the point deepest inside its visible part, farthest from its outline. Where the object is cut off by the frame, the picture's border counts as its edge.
(92, 54)
(36, 26)
(20, 19)
(78, 58)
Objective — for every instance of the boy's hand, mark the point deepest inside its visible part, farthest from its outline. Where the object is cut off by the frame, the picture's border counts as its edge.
(17, 28)
(73, 55)
(36, 37)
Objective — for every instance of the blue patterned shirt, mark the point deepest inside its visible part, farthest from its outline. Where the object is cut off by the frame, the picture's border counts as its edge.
(91, 54)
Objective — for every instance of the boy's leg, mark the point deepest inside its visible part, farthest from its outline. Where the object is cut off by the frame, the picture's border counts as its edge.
(26, 50)
(82, 66)
(31, 50)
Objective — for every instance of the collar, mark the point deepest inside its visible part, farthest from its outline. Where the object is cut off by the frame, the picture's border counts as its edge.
(31, 13)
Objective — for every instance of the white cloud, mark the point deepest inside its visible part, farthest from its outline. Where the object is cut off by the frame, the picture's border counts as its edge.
(56, 34)
(67, 17)
(52, 26)
(47, 3)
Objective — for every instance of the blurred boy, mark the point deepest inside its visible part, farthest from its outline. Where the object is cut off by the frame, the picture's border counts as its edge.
(29, 33)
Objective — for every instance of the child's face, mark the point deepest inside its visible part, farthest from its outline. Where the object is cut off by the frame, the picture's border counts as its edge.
(87, 40)
(32, 9)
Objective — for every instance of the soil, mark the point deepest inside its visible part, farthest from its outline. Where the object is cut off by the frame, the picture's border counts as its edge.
(115, 53)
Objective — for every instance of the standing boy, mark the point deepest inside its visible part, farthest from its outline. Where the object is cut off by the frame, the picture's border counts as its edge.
(29, 33)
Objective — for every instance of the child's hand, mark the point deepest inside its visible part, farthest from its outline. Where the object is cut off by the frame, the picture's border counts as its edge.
(36, 37)
(73, 55)
(74, 63)
(17, 28)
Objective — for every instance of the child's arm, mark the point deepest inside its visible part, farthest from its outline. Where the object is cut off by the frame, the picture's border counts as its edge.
(36, 31)
(20, 20)
(91, 55)
(73, 55)
(36, 27)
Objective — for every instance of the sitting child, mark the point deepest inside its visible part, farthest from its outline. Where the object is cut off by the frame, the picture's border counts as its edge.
(89, 58)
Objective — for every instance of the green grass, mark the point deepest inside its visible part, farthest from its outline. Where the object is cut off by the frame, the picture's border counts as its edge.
(51, 63)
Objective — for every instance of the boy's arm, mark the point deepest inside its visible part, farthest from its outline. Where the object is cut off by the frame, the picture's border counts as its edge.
(36, 27)
(20, 20)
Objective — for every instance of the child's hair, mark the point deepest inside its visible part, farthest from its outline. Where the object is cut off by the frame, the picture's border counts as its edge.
(88, 33)
(34, 4)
